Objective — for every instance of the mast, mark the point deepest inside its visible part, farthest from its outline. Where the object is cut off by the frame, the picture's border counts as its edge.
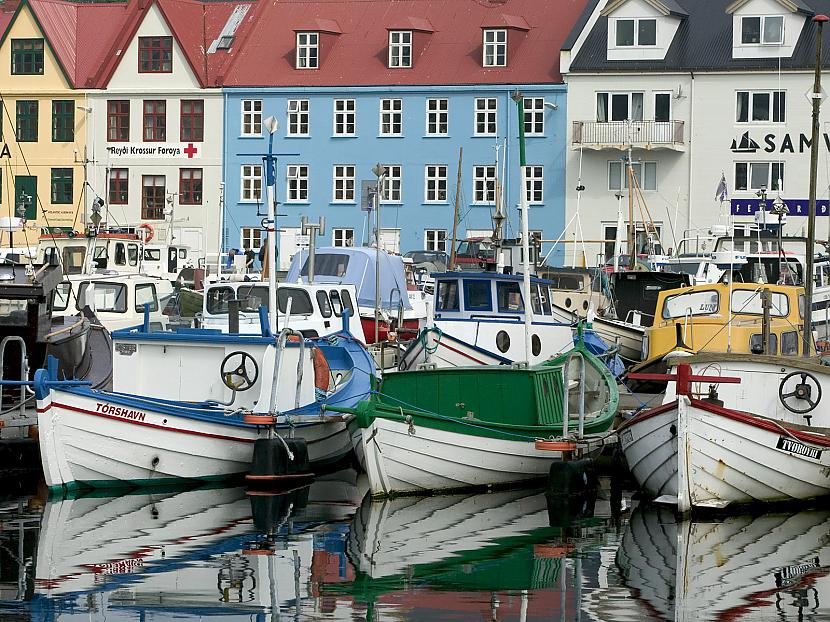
(631, 228)
(811, 219)
(528, 307)
(271, 125)
(455, 211)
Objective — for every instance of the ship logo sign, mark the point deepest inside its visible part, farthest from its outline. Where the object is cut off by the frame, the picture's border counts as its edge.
(793, 446)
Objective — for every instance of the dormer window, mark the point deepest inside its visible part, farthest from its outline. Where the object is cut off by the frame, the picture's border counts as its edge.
(400, 48)
(308, 50)
(763, 30)
(495, 47)
(636, 32)
(27, 57)
(155, 54)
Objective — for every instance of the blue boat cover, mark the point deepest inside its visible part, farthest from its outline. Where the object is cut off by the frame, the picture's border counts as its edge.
(597, 346)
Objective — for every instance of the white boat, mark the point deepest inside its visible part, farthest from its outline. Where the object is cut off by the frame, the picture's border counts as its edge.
(626, 336)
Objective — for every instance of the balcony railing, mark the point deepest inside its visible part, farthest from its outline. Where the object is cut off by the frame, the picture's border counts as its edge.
(620, 134)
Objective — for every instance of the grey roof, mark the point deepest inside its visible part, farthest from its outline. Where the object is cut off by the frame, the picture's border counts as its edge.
(580, 24)
(703, 41)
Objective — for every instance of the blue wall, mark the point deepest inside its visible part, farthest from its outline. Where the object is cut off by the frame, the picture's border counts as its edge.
(321, 151)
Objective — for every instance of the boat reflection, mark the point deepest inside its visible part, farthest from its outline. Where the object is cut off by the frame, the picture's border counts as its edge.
(728, 568)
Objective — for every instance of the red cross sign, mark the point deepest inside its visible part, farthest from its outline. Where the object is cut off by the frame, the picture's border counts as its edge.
(190, 150)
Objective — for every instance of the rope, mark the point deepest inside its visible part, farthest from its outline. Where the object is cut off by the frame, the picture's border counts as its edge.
(422, 338)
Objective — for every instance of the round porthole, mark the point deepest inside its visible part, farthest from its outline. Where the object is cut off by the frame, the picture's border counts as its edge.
(535, 345)
(567, 303)
(585, 305)
(502, 341)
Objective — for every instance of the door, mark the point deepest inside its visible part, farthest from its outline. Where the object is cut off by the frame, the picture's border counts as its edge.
(172, 260)
(25, 194)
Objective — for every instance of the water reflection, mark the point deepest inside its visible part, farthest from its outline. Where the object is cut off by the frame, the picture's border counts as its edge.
(773, 565)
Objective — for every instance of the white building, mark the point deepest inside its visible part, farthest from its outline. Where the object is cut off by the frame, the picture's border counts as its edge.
(697, 91)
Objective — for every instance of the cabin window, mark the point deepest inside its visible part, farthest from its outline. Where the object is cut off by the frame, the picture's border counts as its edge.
(252, 298)
(477, 296)
(705, 302)
(73, 259)
(447, 296)
(336, 303)
(509, 297)
(333, 264)
(132, 254)
(300, 301)
(120, 254)
(61, 300)
(747, 302)
(756, 344)
(152, 254)
(217, 300)
(182, 253)
(145, 294)
(323, 303)
(108, 297)
(502, 341)
(789, 342)
(535, 302)
(346, 299)
(545, 297)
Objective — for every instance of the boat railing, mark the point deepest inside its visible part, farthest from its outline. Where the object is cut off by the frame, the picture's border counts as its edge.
(392, 293)
(634, 316)
(566, 416)
(24, 370)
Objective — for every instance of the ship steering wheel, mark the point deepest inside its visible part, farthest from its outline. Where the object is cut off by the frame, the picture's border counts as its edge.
(803, 391)
(240, 375)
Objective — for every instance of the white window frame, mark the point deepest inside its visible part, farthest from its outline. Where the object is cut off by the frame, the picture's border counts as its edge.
(296, 183)
(670, 96)
(484, 184)
(534, 108)
(345, 114)
(299, 118)
(308, 50)
(636, 43)
(771, 182)
(486, 116)
(433, 240)
(250, 187)
(630, 97)
(400, 49)
(750, 111)
(392, 184)
(435, 182)
(343, 183)
(342, 237)
(437, 115)
(622, 175)
(247, 236)
(535, 184)
(391, 116)
(494, 47)
(251, 110)
(763, 30)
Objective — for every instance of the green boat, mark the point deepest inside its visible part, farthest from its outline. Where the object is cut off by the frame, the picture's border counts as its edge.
(466, 427)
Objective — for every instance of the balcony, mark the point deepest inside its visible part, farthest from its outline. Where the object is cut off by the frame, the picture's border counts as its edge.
(620, 134)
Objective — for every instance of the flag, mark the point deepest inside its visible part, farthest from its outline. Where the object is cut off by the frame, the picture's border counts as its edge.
(722, 191)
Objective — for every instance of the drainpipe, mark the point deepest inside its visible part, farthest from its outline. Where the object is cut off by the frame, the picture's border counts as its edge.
(691, 158)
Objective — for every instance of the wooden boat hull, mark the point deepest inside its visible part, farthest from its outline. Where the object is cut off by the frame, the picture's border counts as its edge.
(699, 455)
(628, 336)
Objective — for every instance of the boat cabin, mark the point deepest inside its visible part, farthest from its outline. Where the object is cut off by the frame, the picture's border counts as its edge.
(577, 289)
(489, 294)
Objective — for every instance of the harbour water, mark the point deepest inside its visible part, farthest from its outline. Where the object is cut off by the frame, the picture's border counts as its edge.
(328, 552)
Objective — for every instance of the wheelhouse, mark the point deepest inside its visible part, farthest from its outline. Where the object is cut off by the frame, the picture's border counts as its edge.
(488, 294)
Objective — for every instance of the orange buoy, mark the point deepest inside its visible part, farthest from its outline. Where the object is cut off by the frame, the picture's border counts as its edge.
(148, 231)
(322, 371)
(555, 445)
(259, 419)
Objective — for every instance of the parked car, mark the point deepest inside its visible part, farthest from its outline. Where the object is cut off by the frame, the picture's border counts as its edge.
(429, 261)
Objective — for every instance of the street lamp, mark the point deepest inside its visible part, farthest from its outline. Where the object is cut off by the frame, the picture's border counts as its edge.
(380, 172)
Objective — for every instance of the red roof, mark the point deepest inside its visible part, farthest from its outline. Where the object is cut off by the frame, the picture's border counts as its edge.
(450, 54)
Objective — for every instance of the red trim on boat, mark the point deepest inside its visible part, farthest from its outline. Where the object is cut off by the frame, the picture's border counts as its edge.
(150, 425)
(464, 354)
(647, 414)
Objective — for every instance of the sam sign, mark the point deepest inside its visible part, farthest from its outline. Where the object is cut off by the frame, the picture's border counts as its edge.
(149, 151)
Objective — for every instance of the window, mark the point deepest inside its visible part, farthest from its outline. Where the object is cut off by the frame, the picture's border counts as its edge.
(391, 184)
(344, 117)
(251, 182)
(662, 106)
(636, 32)
(435, 240)
(486, 116)
(118, 120)
(27, 57)
(251, 237)
(26, 121)
(509, 297)
(190, 186)
(343, 183)
(155, 120)
(623, 107)
(437, 117)
(755, 175)
(447, 296)
(63, 121)
(323, 303)
(484, 184)
(764, 30)
(534, 184)
(251, 117)
(495, 47)
(155, 54)
(308, 50)
(111, 297)
(618, 175)
(193, 120)
(789, 342)
(534, 116)
(435, 183)
(336, 304)
(152, 197)
(400, 48)
(297, 117)
(391, 117)
(762, 106)
(342, 237)
(297, 182)
(145, 294)
(477, 296)
(119, 186)
(62, 185)
(300, 301)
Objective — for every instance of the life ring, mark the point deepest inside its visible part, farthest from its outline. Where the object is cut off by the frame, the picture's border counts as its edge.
(322, 371)
(149, 231)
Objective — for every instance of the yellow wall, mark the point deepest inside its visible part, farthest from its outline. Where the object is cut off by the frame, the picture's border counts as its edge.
(43, 155)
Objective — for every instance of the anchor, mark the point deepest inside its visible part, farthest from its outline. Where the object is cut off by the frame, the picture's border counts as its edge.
(684, 378)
